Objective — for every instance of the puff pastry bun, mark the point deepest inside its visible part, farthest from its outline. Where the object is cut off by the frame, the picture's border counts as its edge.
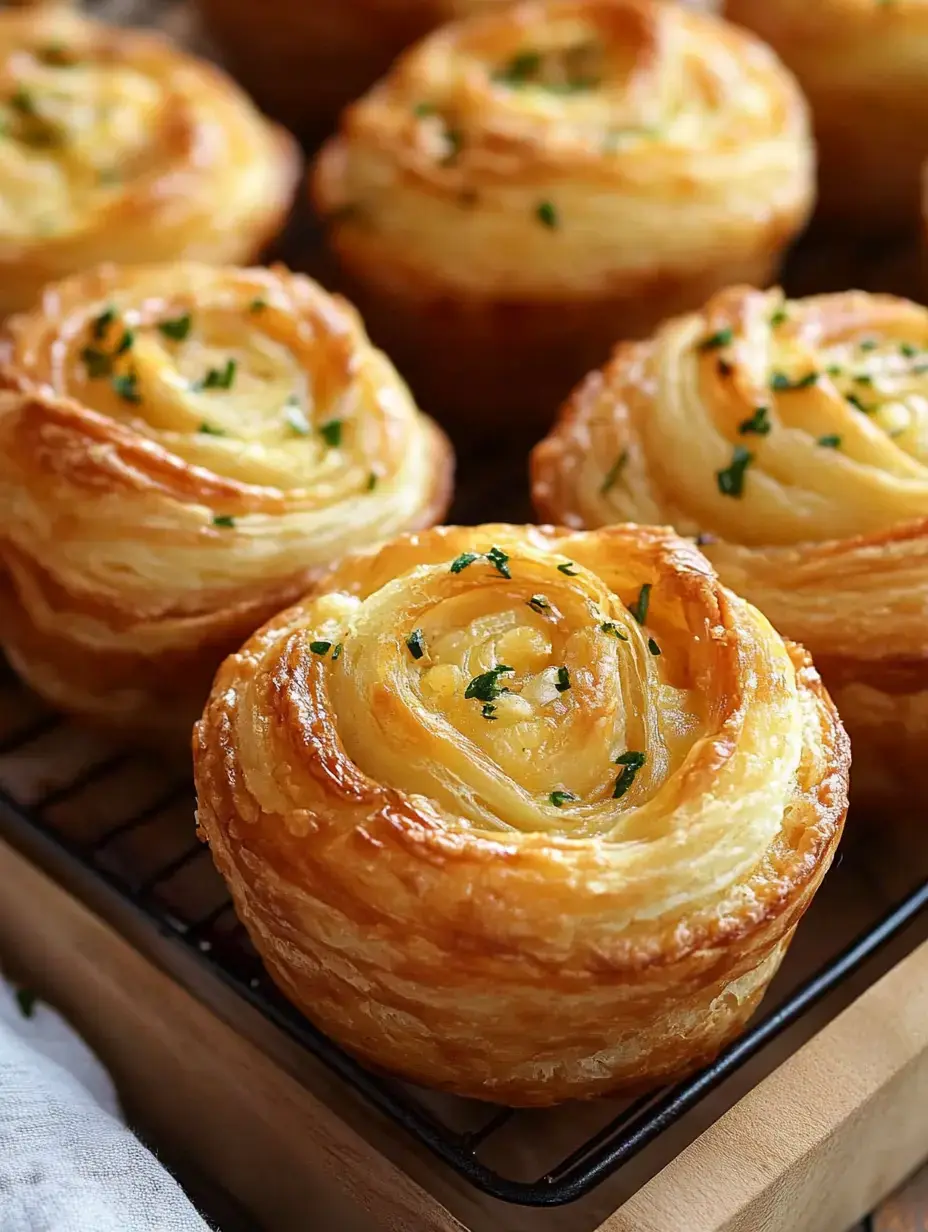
(863, 65)
(794, 436)
(118, 146)
(522, 814)
(526, 186)
(182, 450)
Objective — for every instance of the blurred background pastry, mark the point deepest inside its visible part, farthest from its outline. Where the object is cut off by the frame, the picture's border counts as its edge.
(863, 65)
(182, 450)
(526, 186)
(523, 815)
(791, 437)
(117, 145)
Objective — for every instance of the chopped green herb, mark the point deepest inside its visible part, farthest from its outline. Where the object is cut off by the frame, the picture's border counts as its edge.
(257, 305)
(731, 479)
(209, 430)
(908, 350)
(547, 215)
(631, 763)
(22, 101)
(102, 323)
(372, 481)
(462, 561)
(337, 651)
(520, 69)
(499, 560)
(639, 609)
(219, 378)
(834, 369)
(125, 343)
(454, 140)
(223, 519)
(781, 382)
(563, 680)
(331, 433)
(759, 422)
(26, 999)
(415, 645)
(320, 648)
(863, 378)
(97, 363)
(613, 473)
(296, 419)
(539, 604)
(831, 441)
(720, 338)
(868, 344)
(610, 627)
(920, 369)
(567, 569)
(486, 687)
(424, 109)
(489, 712)
(653, 646)
(778, 317)
(176, 328)
(859, 405)
(560, 798)
(127, 386)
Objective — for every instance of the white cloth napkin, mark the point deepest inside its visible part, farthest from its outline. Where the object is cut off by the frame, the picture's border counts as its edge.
(67, 1162)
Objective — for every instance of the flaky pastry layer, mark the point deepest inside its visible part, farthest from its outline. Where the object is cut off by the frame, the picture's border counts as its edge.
(792, 438)
(538, 181)
(182, 450)
(118, 146)
(523, 814)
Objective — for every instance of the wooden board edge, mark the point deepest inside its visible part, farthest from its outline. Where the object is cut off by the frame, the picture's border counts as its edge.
(194, 1085)
(819, 1142)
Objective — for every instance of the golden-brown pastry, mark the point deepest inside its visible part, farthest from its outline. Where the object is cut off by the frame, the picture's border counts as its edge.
(522, 814)
(527, 186)
(863, 65)
(793, 435)
(182, 450)
(119, 146)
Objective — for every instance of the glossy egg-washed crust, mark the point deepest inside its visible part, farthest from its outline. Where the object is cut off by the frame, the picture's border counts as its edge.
(394, 848)
(827, 529)
(118, 146)
(526, 186)
(863, 65)
(183, 450)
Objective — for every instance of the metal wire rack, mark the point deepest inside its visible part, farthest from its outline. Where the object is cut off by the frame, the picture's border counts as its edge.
(115, 815)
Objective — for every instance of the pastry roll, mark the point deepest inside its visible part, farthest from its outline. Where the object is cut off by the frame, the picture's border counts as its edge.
(792, 437)
(528, 185)
(863, 65)
(119, 146)
(183, 450)
(522, 814)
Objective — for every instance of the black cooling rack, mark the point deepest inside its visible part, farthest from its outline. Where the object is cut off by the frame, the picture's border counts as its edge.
(38, 806)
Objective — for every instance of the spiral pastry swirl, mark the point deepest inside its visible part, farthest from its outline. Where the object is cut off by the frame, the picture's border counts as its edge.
(863, 65)
(792, 436)
(118, 146)
(183, 450)
(522, 814)
(599, 163)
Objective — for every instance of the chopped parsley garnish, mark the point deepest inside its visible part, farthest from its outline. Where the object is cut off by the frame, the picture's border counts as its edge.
(462, 561)
(720, 338)
(176, 328)
(631, 763)
(320, 648)
(26, 999)
(127, 386)
(223, 519)
(219, 378)
(908, 350)
(257, 305)
(489, 712)
(560, 798)
(97, 362)
(610, 627)
(520, 69)
(331, 433)
(613, 473)
(639, 609)
(863, 378)
(759, 422)
(209, 430)
(102, 323)
(859, 405)
(424, 109)
(337, 651)
(296, 419)
(778, 317)
(868, 344)
(563, 680)
(567, 569)
(372, 481)
(415, 645)
(547, 215)
(22, 101)
(653, 647)
(780, 382)
(499, 560)
(834, 369)
(832, 441)
(486, 687)
(539, 604)
(125, 343)
(731, 478)
(454, 140)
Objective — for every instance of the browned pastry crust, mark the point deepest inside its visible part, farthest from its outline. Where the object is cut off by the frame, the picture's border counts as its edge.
(863, 65)
(793, 435)
(118, 146)
(183, 450)
(528, 185)
(576, 874)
